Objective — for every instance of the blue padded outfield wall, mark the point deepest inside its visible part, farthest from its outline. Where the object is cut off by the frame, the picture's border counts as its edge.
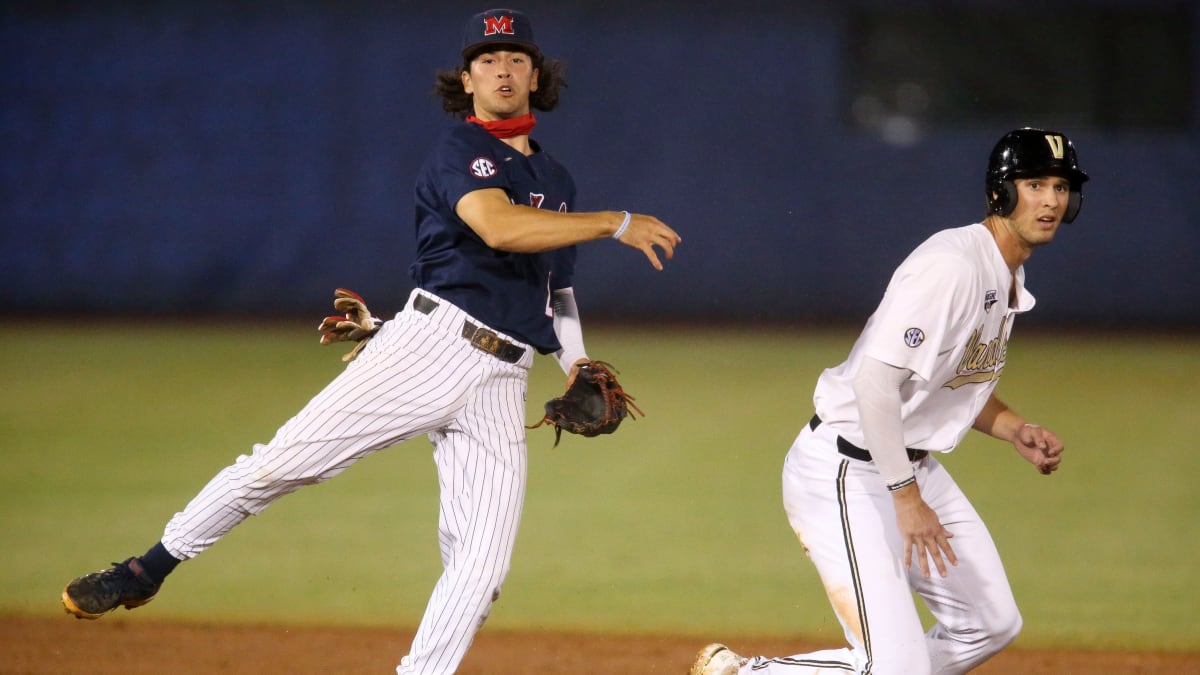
(194, 158)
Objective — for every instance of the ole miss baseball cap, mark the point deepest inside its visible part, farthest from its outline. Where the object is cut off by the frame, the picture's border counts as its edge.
(498, 27)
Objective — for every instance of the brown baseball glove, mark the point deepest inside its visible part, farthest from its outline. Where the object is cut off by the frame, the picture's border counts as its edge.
(593, 404)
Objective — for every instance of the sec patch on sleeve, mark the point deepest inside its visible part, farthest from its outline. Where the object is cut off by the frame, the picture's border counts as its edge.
(482, 167)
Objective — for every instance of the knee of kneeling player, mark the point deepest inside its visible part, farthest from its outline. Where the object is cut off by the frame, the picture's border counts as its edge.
(1002, 628)
(989, 632)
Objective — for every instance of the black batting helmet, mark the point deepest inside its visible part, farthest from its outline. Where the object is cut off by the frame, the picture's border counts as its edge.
(1026, 153)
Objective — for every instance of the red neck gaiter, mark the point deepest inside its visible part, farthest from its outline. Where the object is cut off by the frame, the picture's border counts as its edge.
(517, 126)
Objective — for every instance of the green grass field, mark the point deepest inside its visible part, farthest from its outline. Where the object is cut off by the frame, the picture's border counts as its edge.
(673, 526)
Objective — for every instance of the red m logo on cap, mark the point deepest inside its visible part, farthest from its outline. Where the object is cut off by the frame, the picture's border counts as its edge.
(497, 24)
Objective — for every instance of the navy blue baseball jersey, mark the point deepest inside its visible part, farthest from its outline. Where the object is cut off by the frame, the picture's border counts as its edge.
(508, 291)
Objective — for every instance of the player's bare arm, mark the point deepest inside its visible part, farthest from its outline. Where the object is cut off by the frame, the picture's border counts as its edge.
(515, 228)
(1037, 444)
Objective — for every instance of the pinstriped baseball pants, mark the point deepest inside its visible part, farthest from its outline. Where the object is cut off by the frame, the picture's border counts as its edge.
(417, 376)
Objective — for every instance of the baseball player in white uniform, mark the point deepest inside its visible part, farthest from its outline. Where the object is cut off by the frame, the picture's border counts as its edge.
(876, 512)
(496, 236)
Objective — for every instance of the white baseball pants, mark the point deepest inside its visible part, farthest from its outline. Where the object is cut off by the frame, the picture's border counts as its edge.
(843, 515)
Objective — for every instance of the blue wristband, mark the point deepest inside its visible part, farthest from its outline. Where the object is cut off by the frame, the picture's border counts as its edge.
(624, 226)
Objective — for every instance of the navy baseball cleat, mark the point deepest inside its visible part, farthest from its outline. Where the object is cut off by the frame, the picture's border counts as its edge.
(92, 595)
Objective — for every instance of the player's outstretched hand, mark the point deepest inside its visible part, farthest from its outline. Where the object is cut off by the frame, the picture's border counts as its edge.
(1040, 446)
(646, 232)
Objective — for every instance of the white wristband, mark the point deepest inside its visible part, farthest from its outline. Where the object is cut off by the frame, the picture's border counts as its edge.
(624, 226)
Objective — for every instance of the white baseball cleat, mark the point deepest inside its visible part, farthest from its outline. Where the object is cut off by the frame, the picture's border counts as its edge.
(716, 659)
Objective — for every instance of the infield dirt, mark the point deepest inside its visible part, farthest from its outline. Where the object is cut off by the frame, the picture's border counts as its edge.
(37, 646)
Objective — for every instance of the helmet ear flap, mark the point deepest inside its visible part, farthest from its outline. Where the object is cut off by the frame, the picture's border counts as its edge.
(1006, 197)
(1074, 202)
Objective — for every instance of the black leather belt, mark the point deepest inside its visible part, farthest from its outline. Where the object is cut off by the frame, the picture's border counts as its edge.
(424, 305)
(854, 452)
(485, 339)
(481, 338)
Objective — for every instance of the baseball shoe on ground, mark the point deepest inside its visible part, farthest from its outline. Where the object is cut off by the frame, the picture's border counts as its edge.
(716, 659)
(92, 595)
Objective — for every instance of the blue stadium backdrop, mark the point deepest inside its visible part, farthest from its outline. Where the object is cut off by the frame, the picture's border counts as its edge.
(221, 157)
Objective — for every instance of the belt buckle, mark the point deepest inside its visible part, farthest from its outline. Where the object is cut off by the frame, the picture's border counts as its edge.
(486, 340)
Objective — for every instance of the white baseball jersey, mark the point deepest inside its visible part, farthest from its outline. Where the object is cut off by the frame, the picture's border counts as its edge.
(946, 315)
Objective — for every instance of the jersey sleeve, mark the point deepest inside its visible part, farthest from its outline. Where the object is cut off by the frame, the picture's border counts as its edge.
(465, 164)
(563, 271)
(920, 315)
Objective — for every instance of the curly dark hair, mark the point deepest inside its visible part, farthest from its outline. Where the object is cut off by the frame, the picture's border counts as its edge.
(552, 79)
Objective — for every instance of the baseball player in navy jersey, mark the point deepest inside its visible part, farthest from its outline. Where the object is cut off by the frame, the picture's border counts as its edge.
(876, 513)
(495, 232)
